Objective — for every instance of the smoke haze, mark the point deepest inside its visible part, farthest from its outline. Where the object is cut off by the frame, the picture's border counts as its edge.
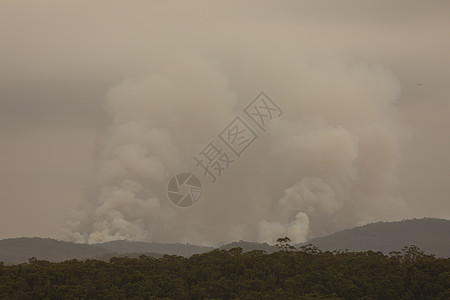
(161, 80)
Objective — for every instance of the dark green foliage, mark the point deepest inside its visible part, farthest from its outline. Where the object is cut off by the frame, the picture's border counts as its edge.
(285, 244)
(250, 246)
(306, 273)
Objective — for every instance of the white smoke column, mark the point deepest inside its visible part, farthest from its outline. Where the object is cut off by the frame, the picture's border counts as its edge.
(139, 155)
(344, 161)
(324, 168)
(298, 228)
(329, 163)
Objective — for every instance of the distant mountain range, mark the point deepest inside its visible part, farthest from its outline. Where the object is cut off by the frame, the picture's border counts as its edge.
(250, 246)
(430, 235)
(142, 247)
(19, 250)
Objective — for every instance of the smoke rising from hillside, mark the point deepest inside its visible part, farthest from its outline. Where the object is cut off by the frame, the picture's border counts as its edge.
(329, 163)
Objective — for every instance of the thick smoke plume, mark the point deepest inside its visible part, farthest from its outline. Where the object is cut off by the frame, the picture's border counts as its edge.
(329, 163)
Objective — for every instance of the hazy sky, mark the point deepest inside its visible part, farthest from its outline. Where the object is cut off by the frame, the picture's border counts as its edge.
(68, 68)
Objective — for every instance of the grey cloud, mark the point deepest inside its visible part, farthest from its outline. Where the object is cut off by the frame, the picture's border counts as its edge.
(157, 80)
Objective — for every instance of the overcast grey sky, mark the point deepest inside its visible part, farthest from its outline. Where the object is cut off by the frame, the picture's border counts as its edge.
(64, 63)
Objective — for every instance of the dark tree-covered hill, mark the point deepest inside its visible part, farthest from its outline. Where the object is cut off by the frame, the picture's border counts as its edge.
(306, 273)
(430, 235)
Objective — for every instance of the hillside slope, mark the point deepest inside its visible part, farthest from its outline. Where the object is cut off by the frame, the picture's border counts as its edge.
(430, 235)
(19, 250)
(143, 247)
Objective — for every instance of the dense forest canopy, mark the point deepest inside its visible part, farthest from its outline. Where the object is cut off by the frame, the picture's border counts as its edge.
(304, 273)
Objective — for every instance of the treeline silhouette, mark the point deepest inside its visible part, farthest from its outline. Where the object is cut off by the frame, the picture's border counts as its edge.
(304, 273)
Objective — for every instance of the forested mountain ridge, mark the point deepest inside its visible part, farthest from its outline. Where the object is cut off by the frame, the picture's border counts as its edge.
(162, 248)
(250, 246)
(429, 234)
(19, 250)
